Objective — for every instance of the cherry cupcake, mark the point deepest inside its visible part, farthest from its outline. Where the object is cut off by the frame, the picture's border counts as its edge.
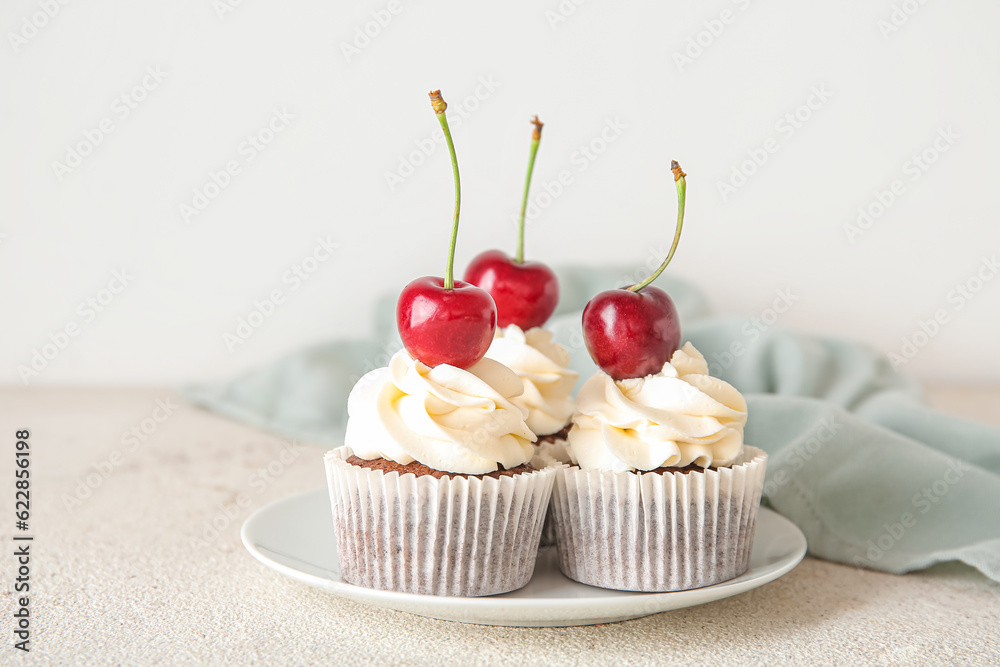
(541, 365)
(526, 294)
(664, 494)
(438, 489)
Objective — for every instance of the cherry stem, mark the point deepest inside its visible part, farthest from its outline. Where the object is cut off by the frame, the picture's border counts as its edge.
(681, 191)
(439, 107)
(536, 137)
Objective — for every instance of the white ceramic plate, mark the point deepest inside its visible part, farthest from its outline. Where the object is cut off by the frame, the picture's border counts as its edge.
(295, 537)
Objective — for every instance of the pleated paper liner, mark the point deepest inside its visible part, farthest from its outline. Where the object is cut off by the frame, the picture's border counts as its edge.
(556, 450)
(458, 536)
(658, 532)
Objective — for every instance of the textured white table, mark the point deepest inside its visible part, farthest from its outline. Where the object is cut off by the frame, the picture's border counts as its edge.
(127, 576)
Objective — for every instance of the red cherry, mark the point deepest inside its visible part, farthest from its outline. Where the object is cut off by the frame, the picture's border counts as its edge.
(525, 294)
(631, 334)
(445, 326)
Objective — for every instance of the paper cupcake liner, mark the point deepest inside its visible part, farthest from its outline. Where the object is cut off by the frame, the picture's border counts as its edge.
(557, 451)
(459, 536)
(658, 532)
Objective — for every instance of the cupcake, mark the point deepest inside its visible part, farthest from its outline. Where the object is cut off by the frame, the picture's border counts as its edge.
(664, 494)
(543, 367)
(438, 489)
(526, 293)
(548, 383)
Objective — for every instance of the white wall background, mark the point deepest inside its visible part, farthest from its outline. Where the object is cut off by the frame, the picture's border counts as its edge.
(354, 120)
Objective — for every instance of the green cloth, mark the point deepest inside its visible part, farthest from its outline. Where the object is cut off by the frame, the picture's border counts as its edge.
(871, 476)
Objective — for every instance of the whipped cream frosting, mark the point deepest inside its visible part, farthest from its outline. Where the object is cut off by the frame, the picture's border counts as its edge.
(447, 418)
(677, 417)
(542, 366)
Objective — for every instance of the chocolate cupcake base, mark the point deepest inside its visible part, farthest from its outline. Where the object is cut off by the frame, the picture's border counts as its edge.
(558, 436)
(658, 531)
(419, 469)
(449, 535)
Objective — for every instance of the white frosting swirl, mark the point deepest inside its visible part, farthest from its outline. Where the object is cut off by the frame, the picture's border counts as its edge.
(678, 417)
(447, 418)
(542, 367)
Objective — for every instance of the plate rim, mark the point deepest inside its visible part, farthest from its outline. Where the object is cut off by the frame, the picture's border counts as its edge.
(385, 598)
